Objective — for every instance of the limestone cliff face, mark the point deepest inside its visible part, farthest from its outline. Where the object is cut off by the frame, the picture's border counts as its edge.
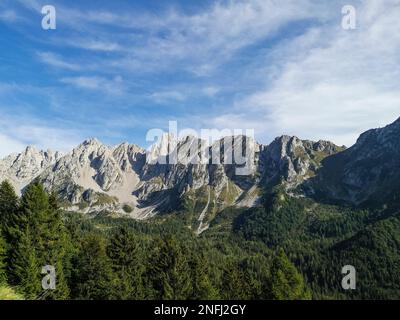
(369, 171)
(291, 161)
(127, 179)
(21, 169)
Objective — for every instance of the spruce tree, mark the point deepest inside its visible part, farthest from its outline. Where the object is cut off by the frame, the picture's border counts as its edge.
(257, 275)
(234, 283)
(47, 234)
(126, 257)
(93, 277)
(286, 282)
(203, 289)
(170, 271)
(8, 207)
(3, 276)
(26, 268)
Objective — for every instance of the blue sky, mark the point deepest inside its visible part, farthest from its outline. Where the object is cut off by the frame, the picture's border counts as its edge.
(115, 69)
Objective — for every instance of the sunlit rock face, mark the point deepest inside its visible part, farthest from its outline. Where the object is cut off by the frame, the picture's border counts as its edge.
(94, 177)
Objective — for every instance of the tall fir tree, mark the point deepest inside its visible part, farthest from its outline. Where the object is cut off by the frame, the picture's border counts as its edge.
(202, 288)
(65, 245)
(26, 268)
(170, 271)
(8, 207)
(3, 276)
(234, 282)
(93, 277)
(257, 275)
(286, 282)
(47, 234)
(127, 261)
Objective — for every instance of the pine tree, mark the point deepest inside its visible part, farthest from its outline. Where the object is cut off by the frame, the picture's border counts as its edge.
(8, 207)
(93, 277)
(26, 267)
(47, 235)
(234, 284)
(170, 271)
(126, 258)
(257, 275)
(286, 282)
(59, 249)
(36, 211)
(3, 276)
(13, 224)
(65, 245)
(202, 286)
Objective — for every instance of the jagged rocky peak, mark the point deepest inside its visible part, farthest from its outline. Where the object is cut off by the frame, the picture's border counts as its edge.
(191, 149)
(29, 162)
(126, 147)
(91, 142)
(159, 151)
(170, 150)
(129, 156)
(291, 160)
(367, 171)
(386, 137)
(90, 145)
(90, 165)
(22, 168)
(235, 150)
(32, 155)
(98, 177)
(325, 146)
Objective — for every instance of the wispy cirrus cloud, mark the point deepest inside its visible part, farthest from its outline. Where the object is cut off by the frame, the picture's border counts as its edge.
(57, 61)
(112, 86)
(275, 66)
(330, 83)
(9, 145)
(8, 16)
(197, 43)
(95, 45)
(18, 132)
(167, 96)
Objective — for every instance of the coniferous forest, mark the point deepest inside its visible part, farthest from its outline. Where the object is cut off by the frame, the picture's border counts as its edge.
(111, 258)
(286, 248)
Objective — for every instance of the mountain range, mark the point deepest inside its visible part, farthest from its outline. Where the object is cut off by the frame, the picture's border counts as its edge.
(128, 180)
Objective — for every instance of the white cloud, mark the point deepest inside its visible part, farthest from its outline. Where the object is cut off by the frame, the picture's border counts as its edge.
(331, 83)
(204, 41)
(17, 132)
(40, 136)
(9, 145)
(167, 96)
(326, 84)
(94, 45)
(210, 91)
(234, 121)
(198, 43)
(8, 16)
(48, 137)
(57, 61)
(113, 86)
